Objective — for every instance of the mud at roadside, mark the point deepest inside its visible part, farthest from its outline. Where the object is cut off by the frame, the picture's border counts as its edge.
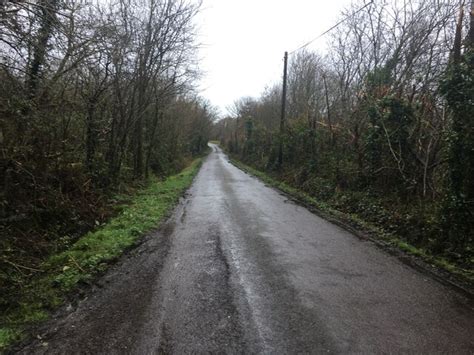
(108, 314)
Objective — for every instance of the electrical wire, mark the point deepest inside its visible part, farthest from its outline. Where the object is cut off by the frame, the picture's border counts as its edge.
(330, 29)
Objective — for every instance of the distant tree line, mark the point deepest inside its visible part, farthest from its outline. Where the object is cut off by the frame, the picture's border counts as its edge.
(93, 95)
(381, 125)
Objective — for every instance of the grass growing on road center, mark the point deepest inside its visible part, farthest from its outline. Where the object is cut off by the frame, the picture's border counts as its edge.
(65, 272)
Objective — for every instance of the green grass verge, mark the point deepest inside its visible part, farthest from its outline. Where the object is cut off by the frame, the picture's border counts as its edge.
(357, 225)
(93, 253)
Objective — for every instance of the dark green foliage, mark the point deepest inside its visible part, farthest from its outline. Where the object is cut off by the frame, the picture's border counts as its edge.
(387, 143)
(458, 211)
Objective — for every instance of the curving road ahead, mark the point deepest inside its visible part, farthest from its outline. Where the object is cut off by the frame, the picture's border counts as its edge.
(241, 269)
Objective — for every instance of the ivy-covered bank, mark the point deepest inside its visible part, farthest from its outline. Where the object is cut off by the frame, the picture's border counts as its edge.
(458, 205)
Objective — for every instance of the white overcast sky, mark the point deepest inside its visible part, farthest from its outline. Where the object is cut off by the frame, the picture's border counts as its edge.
(243, 42)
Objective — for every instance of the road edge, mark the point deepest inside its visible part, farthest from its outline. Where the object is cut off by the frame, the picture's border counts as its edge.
(417, 262)
(22, 332)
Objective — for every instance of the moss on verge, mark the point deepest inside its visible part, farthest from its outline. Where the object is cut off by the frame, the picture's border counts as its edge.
(67, 271)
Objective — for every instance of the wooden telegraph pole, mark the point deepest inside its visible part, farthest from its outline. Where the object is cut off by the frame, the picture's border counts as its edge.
(283, 111)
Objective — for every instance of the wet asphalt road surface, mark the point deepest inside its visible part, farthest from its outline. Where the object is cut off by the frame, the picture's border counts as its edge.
(239, 268)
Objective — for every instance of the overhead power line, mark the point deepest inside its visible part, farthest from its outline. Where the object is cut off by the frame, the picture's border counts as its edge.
(285, 68)
(330, 29)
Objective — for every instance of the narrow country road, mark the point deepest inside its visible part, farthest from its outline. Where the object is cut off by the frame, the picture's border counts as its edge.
(241, 269)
